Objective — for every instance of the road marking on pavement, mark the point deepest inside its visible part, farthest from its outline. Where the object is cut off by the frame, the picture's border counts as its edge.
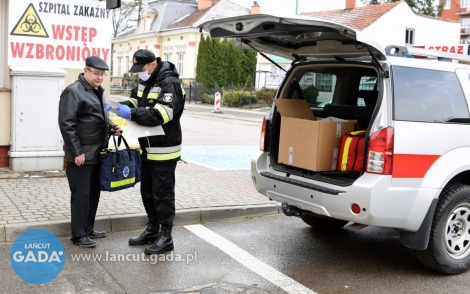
(274, 276)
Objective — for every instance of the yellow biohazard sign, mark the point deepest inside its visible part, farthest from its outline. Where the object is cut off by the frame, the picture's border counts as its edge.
(30, 24)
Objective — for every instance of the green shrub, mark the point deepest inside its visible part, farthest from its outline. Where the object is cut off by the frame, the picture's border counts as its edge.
(130, 80)
(208, 98)
(310, 94)
(237, 98)
(266, 95)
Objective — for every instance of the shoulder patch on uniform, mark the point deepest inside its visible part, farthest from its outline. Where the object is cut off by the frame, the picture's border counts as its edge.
(168, 97)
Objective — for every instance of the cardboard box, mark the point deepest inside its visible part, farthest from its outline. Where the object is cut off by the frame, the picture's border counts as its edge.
(308, 142)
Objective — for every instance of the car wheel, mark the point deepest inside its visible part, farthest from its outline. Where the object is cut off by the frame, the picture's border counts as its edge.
(449, 244)
(322, 223)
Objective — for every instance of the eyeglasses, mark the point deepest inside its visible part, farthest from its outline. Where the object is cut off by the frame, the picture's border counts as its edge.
(96, 73)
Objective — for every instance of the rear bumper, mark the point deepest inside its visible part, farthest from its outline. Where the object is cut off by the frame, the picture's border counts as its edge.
(381, 204)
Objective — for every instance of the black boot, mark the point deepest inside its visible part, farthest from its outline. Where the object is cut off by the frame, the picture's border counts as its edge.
(148, 236)
(164, 242)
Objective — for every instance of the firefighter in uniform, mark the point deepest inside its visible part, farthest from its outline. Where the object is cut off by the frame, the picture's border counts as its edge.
(157, 101)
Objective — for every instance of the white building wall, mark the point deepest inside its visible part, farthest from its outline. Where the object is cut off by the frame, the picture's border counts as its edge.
(390, 29)
(170, 42)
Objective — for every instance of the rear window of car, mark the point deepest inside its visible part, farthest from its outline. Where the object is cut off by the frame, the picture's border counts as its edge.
(428, 96)
(317, 88)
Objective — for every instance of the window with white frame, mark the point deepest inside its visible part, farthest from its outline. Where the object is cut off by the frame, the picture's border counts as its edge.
(180, 64)
(447, 4)
(410, 37)
(465, 25)
(167, 57)
(127, 63)
(465, 3)
(119, 66)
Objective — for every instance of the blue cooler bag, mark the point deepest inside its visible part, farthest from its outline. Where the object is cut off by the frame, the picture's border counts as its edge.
(119, 168)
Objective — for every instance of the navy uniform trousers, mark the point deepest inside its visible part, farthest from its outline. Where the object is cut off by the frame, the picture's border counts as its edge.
(158, 191)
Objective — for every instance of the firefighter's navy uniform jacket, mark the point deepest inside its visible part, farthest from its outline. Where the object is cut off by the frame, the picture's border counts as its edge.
(159, 101)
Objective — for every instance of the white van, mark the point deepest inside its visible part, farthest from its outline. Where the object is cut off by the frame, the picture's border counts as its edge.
(416, 172)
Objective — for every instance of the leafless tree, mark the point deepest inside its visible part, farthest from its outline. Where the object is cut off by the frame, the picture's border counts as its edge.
(127, 16)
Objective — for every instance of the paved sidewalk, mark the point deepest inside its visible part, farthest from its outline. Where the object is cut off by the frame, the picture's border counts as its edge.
(203, 194)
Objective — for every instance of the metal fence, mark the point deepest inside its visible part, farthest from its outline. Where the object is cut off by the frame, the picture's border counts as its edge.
(197, 93)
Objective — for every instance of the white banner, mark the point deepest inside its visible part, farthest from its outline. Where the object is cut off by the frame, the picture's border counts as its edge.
(61, 33)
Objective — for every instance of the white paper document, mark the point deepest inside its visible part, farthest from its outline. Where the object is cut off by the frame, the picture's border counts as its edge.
(134, 130)
(114, 105)
(332, 118)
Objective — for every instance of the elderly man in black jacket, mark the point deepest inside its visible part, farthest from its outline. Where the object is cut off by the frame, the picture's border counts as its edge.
(85, 125)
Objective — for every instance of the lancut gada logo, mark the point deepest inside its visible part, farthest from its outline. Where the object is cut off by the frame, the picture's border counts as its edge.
(37, 256)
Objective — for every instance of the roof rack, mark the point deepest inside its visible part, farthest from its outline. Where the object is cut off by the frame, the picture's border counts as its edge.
(407, 51)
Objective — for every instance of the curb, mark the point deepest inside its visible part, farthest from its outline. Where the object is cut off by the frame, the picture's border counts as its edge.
(119, 223)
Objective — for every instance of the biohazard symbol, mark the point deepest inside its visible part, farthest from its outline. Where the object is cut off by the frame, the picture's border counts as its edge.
(30, 24)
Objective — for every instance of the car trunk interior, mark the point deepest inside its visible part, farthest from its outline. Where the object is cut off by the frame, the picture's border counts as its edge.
(354, 90)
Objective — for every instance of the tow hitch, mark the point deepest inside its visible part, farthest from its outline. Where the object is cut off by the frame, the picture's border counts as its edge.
(290, 210)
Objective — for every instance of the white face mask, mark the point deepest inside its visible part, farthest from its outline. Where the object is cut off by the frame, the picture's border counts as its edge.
(143, 75)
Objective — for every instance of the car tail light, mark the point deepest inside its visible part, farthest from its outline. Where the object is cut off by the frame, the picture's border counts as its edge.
(380, 156)
(263, 134)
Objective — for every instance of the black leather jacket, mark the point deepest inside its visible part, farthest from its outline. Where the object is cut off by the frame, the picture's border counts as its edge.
(83, 121)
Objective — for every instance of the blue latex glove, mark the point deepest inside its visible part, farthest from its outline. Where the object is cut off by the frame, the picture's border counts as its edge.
(124, 111)
(108, 107)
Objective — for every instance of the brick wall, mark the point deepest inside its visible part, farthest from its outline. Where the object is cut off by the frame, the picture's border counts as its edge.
(4, 156)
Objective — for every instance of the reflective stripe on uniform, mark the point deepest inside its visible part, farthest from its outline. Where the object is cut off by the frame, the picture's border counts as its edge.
(133, 101)
(166, 112)
(163, 153)
(153, 93)
(153, 89)
(163, 149)
(167, 156)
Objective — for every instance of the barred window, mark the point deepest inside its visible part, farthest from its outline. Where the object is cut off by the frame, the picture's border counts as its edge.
(324, 82)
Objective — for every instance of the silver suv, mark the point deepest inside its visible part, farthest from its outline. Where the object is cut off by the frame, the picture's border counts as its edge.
(415, 175)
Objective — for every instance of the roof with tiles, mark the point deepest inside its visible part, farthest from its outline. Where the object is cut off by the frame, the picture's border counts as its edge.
(358, 18)
(218, 9)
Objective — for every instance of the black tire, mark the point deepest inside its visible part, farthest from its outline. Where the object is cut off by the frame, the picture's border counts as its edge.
(326, 224)
(448, 250)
